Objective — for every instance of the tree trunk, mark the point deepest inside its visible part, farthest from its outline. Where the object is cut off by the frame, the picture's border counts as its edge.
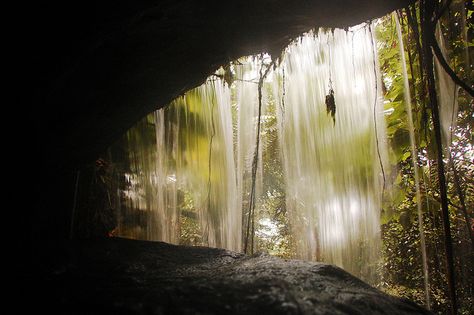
(428, 30)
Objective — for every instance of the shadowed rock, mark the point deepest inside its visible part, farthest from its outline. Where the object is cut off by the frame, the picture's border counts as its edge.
(118, 276)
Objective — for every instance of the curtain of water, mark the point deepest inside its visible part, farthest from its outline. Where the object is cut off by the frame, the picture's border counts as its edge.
(150, 197)
(414, 154)
(332, 169)
(193, 152)
(164, 181)
(206, 162)
(206, 141)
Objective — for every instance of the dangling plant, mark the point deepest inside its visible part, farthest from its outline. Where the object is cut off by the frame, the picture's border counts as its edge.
(331, 104)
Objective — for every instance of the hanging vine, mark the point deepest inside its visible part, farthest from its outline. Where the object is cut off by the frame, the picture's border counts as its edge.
(250, 229)
(375, 108)
(330, 101)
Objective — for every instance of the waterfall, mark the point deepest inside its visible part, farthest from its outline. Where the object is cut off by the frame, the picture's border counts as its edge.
(332, 169)
(164, 179)
(414, 155)
(205, 161)
(145, 186)
(205, 142)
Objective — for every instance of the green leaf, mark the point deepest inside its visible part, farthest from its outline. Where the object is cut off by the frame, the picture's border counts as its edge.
(406, 155)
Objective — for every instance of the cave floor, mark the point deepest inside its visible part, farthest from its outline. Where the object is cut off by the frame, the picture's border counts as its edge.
(120, 276)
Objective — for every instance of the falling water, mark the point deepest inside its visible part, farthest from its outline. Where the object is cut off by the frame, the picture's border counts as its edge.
(447, 93)
(149, 194)
(333, 167)
(246, 88)
(194, 154)
(164, 180)
(414, 154)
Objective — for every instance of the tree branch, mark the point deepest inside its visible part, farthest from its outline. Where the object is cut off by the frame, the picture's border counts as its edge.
(439, 55)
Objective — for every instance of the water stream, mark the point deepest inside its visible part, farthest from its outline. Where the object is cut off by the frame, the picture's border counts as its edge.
(332, 167)
(199, 166)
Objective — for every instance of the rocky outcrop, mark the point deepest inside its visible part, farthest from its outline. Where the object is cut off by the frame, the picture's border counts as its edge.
(118, 276)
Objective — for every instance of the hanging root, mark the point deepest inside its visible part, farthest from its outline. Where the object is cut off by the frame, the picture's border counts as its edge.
(250, 231)
(375, 109)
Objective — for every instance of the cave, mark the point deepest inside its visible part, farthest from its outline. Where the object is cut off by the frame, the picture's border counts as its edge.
(97, 69)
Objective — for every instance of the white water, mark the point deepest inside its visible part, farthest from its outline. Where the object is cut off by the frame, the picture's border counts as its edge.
(332, 171)
(149, 209)
(205, 162)
(205, 143)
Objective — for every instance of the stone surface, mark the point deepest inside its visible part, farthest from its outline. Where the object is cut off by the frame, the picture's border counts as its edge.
(119, 276)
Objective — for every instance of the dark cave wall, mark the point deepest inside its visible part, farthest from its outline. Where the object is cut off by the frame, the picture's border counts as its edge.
(98, 67)
(106, 66)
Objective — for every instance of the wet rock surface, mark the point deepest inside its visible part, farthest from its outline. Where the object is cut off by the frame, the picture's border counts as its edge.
(119, 276)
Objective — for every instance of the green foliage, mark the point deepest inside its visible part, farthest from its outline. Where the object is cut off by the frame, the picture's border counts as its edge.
(273, 234)
(402, 266)
(272, 230)
(190, 229)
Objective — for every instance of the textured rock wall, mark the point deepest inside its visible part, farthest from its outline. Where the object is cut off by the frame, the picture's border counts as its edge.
(118, 276)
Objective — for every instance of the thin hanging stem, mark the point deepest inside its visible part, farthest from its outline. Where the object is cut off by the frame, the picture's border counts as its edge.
(375, 107)
(414, 26)
(250, 233)
(410, 59)
(413, 23)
